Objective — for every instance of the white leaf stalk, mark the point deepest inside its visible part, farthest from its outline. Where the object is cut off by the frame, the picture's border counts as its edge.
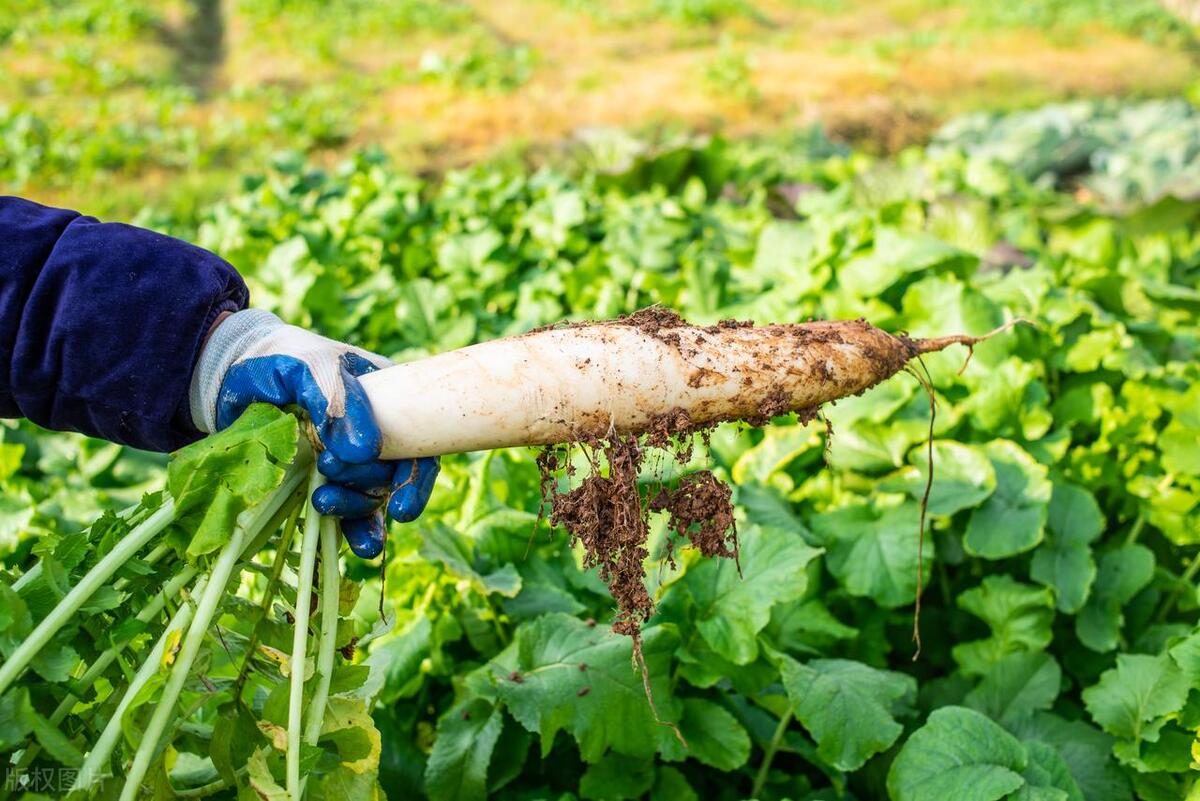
(133, 542)
(296, 473)
(155, 607)
(327, 647)
(206, 608)
(102, 663)
(308, 558)
(95, 766)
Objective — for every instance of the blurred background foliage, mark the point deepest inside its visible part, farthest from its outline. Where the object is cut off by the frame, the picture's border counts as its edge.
(113, 105)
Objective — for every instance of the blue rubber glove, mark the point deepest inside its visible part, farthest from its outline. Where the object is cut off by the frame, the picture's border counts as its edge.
(254, 357)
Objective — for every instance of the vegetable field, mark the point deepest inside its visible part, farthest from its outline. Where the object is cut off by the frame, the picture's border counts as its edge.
(115, 105)
(978, 579)
(1059, 645)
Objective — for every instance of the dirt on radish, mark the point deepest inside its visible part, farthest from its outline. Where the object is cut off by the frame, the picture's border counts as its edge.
(607, 512)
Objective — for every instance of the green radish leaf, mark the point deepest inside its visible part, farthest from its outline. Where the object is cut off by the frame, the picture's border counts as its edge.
(1178, 443)
(261, 777)
(395, 662)
(807, 626)
(72, 549)
(17, 510)
(348, 678)
(1064, 562)
(445, 545)
(1018, 615)
(1013, 519)
(55, 662)
(104, 599)
(1016, 686)
(235, 735)
(869, 447)
(1132, 700)
(713, 735)
(350, 733)
(849, 708)
(730, 606)
(872, 550)
(15, 620)
(617, 777)
(125, 631)
(767, 508)
(958, 754)
(1067, 568)
(1009, 399)
(1186, 654)
(1074, 516)
(780, 447)
(219, 477)
(57, 744)
(559, 673)
(896, 253)
(702, 667)
(458, 765)
(938, 303)
(963, 477)
(1086, 750)
(671, 785)
(16, 718)
(349, 729)
(784, 256)
(1123, 573)
(1047, 777)
(43, 593)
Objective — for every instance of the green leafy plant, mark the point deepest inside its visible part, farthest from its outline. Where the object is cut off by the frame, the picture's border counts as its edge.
(730, 74)
(482, 67)
(134, 632)
(1059, 611)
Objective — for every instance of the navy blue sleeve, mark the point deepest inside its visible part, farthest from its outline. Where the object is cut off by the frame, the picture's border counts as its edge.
(101, 324)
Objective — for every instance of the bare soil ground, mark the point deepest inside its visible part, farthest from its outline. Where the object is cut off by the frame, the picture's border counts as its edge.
(520, 73)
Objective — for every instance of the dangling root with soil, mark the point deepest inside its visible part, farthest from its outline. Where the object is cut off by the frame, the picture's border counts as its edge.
(620, 387)
(606, 514)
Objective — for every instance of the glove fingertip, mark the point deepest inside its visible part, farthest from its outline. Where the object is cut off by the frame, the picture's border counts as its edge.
(365, 535)
(428, 469)
(329, 465)
(406, 504)
(326, 499)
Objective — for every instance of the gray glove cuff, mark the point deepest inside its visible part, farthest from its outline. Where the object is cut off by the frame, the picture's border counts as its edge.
(233, 337)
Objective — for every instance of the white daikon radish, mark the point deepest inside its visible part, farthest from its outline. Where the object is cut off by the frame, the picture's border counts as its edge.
(621, 376)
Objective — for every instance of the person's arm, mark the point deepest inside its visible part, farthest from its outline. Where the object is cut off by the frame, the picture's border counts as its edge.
(138, 338)
(101, 324)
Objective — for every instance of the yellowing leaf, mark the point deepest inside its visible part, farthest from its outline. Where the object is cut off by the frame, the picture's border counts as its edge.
(277, 734)
(172, 647)
(349, 725)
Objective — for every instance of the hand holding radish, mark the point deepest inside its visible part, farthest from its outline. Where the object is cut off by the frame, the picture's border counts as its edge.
(253, 357)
